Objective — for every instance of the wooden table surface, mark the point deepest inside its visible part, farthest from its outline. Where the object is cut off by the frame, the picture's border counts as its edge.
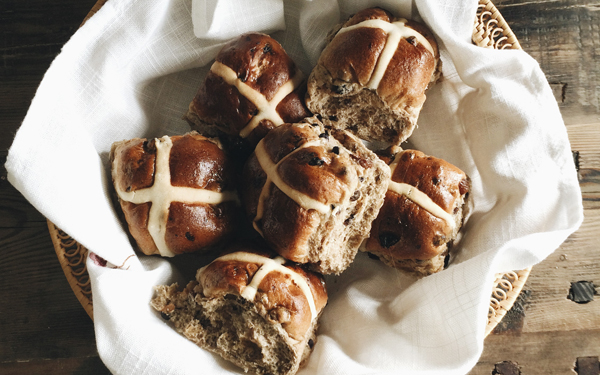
(43, 328)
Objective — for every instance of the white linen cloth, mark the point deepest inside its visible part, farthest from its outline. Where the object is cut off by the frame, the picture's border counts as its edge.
(132, 70)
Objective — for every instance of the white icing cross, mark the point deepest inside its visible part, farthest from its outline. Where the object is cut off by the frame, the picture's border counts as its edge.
(270, 169)
(269, 265)
(396, 31)
(161, 194)
(419, 197)
(266, 109)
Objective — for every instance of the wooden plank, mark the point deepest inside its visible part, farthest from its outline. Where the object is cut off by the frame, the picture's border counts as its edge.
(43, 328)
(15, 210)
(33, 33)
(538, 353)
(563, 37)
(543, 304)
(546, 332)
(81, 365)
(547, 307)
(546, 4)
(40, 317)
(585, 139)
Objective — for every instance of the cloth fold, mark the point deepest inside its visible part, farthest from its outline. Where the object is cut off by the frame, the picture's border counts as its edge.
(224, 19)
(132, 70)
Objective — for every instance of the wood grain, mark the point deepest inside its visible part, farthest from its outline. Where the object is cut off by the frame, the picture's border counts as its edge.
(15, 211)
(43, 329)
(38, 318)
(33, 33)
(549, 332)
(564, 37)
(77, 365)
(539, 353)
(550, 283)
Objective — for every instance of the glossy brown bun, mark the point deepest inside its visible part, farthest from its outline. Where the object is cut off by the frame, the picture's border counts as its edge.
(338, 87)
(258, 63)
(251, 307)
(324, 190)
(193, 168)
(407, 236)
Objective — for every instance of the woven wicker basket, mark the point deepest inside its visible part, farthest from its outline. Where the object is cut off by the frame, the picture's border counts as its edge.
(490, 31)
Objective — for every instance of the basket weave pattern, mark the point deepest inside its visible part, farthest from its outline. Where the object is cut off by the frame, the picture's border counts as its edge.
(72, 256)
(507, 287)
(490, 31)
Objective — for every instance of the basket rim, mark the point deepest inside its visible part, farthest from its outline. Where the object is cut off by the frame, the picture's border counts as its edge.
(490, 30)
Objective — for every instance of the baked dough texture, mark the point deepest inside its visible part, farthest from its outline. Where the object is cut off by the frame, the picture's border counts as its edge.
(311, 189)
(252, 87)
(372, 76)
(422, 214)
(312, 193)
(251, 307)
(176, 193)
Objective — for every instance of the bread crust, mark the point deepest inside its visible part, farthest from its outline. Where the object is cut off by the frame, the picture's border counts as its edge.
(338, 87)
(261, 63)
(406, 234)
(275, 292)
(273, 332)
(194, 162)
(344, 181)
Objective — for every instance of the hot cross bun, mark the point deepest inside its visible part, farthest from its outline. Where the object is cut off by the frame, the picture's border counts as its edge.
(372, 76)
(422, 214)
(252, 87)
(312, 194)
(251, 307)
(176, 193)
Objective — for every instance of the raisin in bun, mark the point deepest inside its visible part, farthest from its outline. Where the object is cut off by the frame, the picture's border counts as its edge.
(176, 193)
(252, 87)
(312, 194)
(251, 307)
(372, 76)
(422, 213)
